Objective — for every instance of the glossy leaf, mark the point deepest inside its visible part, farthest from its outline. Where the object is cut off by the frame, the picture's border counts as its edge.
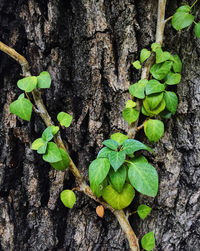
(110, 143)
(118, 178)
(130, 104)
(37, 144)
(132, 145)
(44, 80)
(143, 178)
(177, 65)
(137, 89)
(143, 211)
(173, 78)
(144, 54)
(27, 84)
(62, 164)
(22, 108)
(64, 118)
(52, 154)
(148, 241)
(104, 152)
(171, 101)
(154, 86)
(130, 115)
(119, 200)
(159, 71)
(182, 20)
(47, 135)
(137, 65)
(197, 30)
(119, 137)
(154, 100)
(154, 130)
(117, 159)
(68, 198)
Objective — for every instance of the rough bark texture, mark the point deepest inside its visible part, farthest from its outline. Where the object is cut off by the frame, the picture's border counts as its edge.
(88, 46)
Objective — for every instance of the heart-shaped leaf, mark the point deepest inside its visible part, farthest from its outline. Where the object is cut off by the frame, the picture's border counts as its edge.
(148, 241)
(144, 55)
(52, 154)
(137, 89)
(173, 78)
(143, 211)
(154, 86)
(130, 115)
(64, 118)
(44, 80)
(27, 84)
(117, 159)
(182, 20)
(159, 71)
(22, 108)
(68, 198)
(154, 130)
(62, 164)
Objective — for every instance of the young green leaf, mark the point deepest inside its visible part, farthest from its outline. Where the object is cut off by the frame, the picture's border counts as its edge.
(52, 154)
(119, 200)
(62, 164)
(21, 96)
(197, 30)
(156, 111)
(162, 56)
(154, 130)
(97, 189)
(119, 137)
(177, 65)
(117, 159)
(110, 143)
(54, 129)
(27, 84)
(137, 65)
(173, 78)
(42, 149)
(159, 71)
(22, 108)
(143, 178)
(148, 241)
(103, 153)
(182, 20)
(68, 198)
(154, 100)
(144, 54)
(47, 135)
(130, 115)
(184, 8)
(171, 101)
(130, 104)
(137, 89)
(132, 145)
(155, 46)
(64, 118)
(143, 211)
(98, 170)
(44, 80)
(154, 86)
(118, 178)
(37, 144)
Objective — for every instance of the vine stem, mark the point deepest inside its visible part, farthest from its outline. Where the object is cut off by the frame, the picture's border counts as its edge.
(83, 187)
(194, 4)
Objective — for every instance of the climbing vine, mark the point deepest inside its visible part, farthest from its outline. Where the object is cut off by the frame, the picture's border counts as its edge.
(120, 168)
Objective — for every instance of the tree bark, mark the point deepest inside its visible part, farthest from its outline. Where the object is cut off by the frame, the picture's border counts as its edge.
(88, 46)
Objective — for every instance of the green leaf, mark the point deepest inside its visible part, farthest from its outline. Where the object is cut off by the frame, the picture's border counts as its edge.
(162, 56)
(47, 135)
(143, 178)
(173, 78)
(144, 54)
(154, 100)
(44, 80)
(37, 144)
(132, 145)
(156, 111)
(64, 118)
(103, 153)
(68, 198)
(155, 46)
(139, 159)
(119, 200)
(130, 115)
(42, 149)
(117, 159)
(22, 108)
(148, 241)
(130, 103)
(171, 101)
(154, 86)
(119, 137)
(177, 65)
(21, 96)
(98, 189)
(118, 178)
(98, 170)
(62, 164)
(110, 143)
(27, 84)
(54, 129)
(182, 20)
(143, 211)
(159, 71)
(145, 112)
(137, 65)
(137, 89)
(184, 8)
(52, 154)
(154, 130)
(197, 30)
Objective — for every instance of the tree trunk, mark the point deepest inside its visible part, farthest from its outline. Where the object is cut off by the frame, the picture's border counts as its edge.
(88, 46)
